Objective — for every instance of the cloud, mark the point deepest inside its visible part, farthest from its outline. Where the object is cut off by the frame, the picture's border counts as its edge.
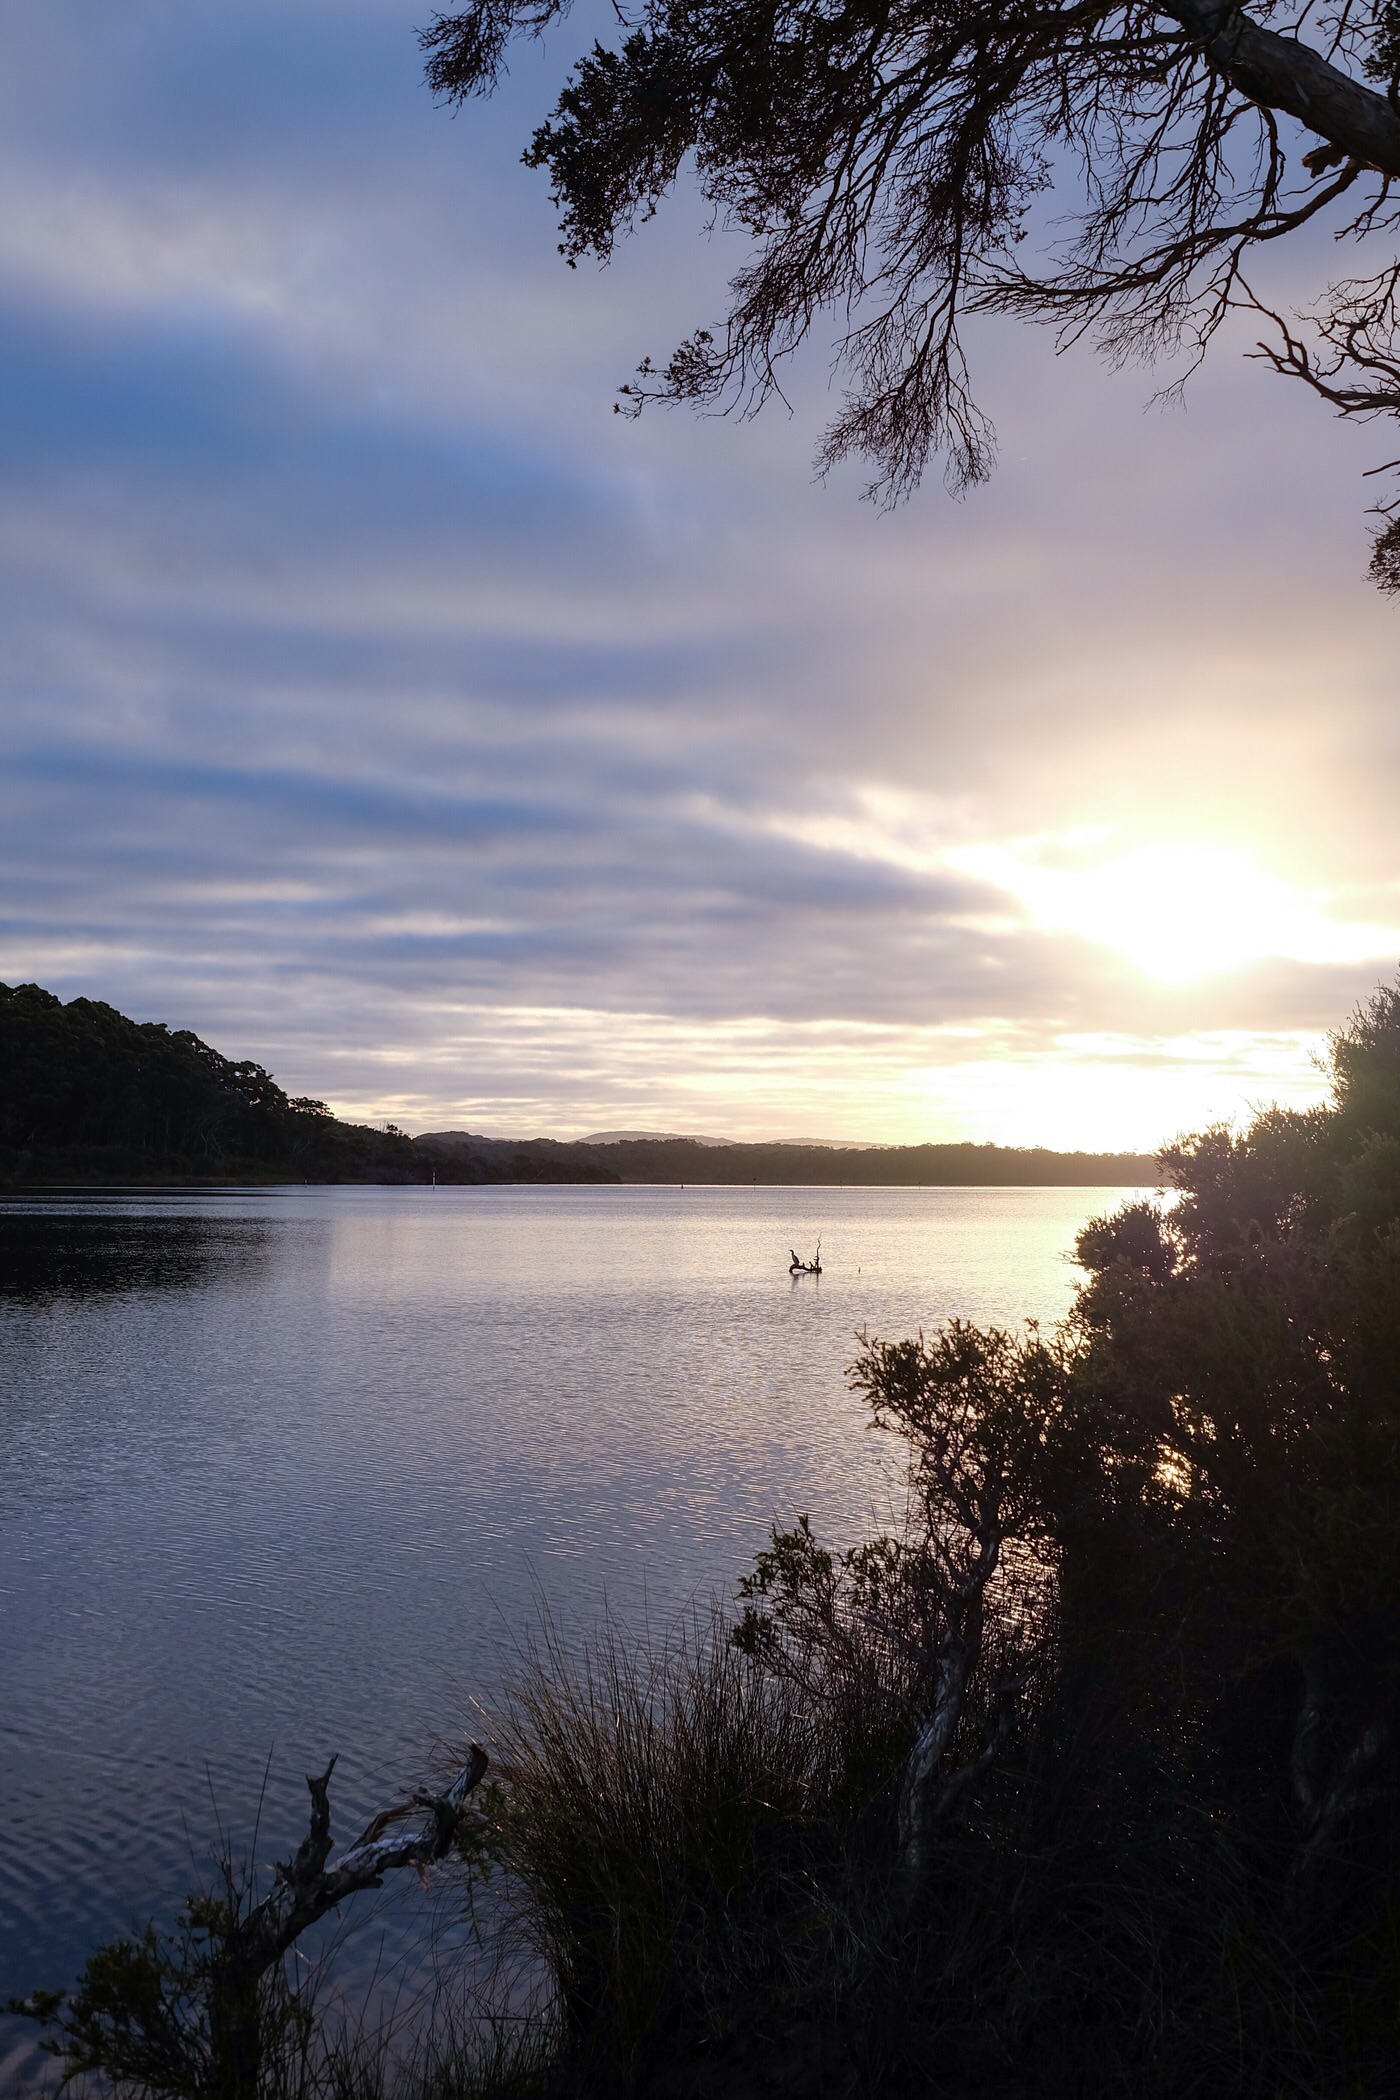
(379, 704)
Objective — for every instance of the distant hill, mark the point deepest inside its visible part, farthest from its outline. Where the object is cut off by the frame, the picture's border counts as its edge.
(88, 1096)
(882, 1166)
(457, 1155)
(677, 1137)
(667, 1137)
(461, 1157)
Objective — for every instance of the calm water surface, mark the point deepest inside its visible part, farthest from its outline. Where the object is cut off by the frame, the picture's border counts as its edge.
(282, 1472)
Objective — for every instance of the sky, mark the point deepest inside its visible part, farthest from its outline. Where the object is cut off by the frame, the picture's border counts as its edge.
(376, 702)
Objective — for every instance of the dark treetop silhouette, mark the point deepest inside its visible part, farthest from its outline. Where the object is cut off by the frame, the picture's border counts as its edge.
(88, 1095)
(885, 157)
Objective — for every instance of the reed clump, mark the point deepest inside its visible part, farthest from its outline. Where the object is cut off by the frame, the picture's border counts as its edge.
(692, 1846)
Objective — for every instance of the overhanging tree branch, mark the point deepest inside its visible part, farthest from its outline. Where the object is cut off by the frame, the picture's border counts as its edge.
(1285, 74)
(885, 158)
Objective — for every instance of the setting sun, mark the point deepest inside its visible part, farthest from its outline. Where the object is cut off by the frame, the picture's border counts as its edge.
(1179, 911)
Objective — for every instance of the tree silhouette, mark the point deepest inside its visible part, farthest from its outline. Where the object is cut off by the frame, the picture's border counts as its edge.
(886, 157)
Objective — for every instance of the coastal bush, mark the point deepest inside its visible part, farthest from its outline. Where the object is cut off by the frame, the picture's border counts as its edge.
(1111, 1723)
(153, 2014)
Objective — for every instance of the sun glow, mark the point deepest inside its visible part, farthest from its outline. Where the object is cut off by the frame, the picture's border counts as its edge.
(1178, 912)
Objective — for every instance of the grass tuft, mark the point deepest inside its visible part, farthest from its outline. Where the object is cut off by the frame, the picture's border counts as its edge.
(688, 1844)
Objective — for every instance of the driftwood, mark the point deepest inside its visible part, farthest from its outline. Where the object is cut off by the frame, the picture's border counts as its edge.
(307, 1887)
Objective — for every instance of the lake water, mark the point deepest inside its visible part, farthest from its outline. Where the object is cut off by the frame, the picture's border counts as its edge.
(283, 1472)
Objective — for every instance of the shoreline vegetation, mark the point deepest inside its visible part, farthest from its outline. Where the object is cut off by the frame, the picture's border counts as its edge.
(92, 1099)
(1081, 1783)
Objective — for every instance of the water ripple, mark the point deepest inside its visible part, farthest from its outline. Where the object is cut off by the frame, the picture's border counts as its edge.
(280, 1471)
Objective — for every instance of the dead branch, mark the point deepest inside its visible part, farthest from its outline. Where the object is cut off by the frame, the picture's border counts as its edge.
(307, 1886)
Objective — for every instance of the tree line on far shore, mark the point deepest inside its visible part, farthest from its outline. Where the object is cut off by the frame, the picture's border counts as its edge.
(90, 1097)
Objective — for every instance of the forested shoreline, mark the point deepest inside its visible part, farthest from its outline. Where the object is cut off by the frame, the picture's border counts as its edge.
(91, 1098)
